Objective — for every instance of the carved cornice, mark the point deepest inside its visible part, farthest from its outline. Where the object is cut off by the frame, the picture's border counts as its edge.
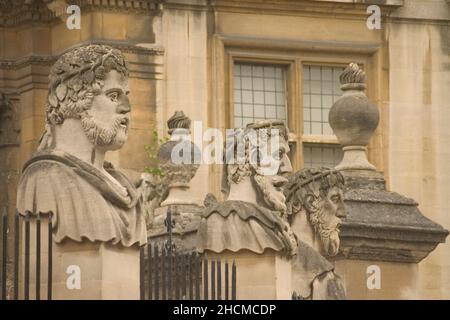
(288, 7)
(47, 60)
(25, 61)
(14, 13)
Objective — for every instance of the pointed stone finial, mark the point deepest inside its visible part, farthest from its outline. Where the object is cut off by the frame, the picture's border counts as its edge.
(179, 121)
(354, 119)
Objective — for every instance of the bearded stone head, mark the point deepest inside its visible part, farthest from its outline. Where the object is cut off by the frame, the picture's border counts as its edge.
(90, 83)
(261, 151)
(318, 193)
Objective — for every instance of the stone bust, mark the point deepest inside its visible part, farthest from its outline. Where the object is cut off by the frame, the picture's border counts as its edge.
(315, 206)
(254, 215)
(87, 115)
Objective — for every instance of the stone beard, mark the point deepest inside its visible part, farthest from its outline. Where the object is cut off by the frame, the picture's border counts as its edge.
(100, 135)
(315, 204)
(326, 222)
(87, 116)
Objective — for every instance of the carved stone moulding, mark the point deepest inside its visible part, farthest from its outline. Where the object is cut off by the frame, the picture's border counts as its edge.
(48, 60)
(13, 13)
(384, 225)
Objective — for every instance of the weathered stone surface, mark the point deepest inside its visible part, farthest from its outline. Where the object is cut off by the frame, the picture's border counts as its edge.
(384, 225)
(87, 115)
(354, 119)
(9, 122)
(254, 215)
(315, 204)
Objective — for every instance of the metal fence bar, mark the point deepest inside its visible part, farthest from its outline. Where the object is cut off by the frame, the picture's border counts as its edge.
(141, 273)
(163, 273)
(38, 257)
(156, 262)
(198, 271)
(16, 255)
(191, 261)
(177, 275)
(213, 280)
(205, 278)
(233, 281)
(226, 281)
(4, 250)
(150, 271)
(50, 256)
(27, 256)
(183, 275)
(170, 277)
(219, 280)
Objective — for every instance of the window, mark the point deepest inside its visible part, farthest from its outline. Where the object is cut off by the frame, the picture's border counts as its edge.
(321, 155)
(321, 88)
(259, 93)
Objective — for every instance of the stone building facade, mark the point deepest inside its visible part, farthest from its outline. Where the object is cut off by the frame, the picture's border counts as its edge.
(227, 63)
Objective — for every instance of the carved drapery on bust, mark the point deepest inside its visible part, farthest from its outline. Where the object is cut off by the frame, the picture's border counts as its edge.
(315, 204)
(253, 216)
(87, 115)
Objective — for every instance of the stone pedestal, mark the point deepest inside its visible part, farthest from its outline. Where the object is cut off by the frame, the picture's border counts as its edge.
(105, 271)
(397, 281)
(259, 276)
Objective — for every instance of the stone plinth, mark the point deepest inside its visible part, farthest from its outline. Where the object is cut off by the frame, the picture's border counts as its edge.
(386, 230)
(258, 276)
(398, 281)
(107, 272)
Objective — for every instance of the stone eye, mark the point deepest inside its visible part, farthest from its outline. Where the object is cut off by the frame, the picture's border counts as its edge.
(114, 96)
(336, 198)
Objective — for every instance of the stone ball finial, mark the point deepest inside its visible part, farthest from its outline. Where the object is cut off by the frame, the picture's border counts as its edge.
(354, 118)
(178, 121)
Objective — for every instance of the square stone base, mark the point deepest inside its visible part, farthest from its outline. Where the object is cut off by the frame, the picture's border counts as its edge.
(83, 271)
(264, 276)
(106, 271)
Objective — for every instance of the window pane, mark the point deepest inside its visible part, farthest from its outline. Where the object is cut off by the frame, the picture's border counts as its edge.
(257, 71)
(258, 84)
(258, 97)
(321, 155)
(321, 88)
(259, 93)
(246, 83)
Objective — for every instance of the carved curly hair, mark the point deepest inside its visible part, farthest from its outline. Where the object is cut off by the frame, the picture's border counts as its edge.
(77, 76)
(313, 181)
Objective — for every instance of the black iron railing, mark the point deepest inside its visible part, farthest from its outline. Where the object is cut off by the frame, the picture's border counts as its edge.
(166, 274)
(23, 222)
(184, 276)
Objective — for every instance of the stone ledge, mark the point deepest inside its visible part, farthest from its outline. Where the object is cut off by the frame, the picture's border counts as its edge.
(48, 60)
(384, 225)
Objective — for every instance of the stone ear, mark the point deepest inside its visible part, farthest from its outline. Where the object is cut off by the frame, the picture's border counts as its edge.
(310, 203)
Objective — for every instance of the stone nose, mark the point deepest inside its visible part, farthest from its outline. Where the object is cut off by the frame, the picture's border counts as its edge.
(285, 165)
(124, 105)
(341, 212)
